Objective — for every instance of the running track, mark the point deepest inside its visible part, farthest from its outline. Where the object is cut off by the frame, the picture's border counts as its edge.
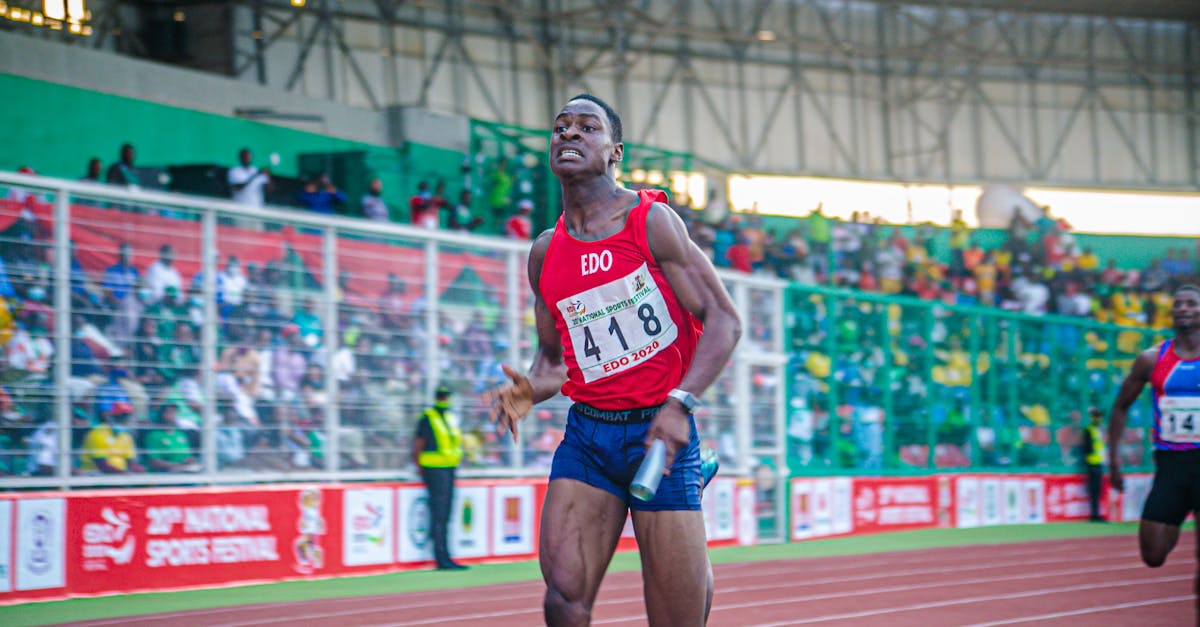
(1090, 581)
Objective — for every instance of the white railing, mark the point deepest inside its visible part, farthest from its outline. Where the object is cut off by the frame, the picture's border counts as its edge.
(466, 305)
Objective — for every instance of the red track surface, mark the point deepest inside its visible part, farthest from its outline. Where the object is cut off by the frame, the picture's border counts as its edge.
(1091, 581)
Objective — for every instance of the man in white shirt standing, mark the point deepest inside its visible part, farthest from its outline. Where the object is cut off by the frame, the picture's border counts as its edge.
(247, 182)
(162, 274)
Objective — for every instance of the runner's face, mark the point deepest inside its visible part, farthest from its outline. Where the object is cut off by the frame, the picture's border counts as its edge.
(581, 140)
(1185, 313)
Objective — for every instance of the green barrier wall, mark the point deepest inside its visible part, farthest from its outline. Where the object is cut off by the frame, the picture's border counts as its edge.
(55, 129)
(897, 385)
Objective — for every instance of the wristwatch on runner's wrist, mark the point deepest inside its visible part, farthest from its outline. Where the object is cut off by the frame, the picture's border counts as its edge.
(685, 398)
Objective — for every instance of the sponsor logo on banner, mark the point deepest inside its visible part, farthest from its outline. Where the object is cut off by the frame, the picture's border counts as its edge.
(1137, 488)
(992, 502)
(468, 522)
(108, 542)
(717, 502)
(41, 544)
(512, 519)
(1013, 513)
(802, 524)
(367, 527)
(6, 510)
(512, 526)
(747, 527)
(412, 531)
(309, 555)
(865, 512)
(967, 496)
(1033, 493)
(822, 507)
(842, 522)
(945, 501)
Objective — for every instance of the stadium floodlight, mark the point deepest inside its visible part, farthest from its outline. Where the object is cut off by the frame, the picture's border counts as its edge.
(55, 9)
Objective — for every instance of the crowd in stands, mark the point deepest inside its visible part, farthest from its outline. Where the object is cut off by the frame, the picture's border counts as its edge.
(1038, 269)
(137, 394)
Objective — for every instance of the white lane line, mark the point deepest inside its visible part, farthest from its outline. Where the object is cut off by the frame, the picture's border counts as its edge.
(970, 600)
(427, 598)
(1087, 610)
(500, 592)
(638, 599)
(748, 588)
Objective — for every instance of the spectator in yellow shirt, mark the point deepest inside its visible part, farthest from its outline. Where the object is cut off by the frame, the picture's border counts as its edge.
(1088, 261)
(985, 279)
(108, 447)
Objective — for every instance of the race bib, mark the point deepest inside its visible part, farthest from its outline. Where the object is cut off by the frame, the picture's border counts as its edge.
(1180, 419)
(618, 325)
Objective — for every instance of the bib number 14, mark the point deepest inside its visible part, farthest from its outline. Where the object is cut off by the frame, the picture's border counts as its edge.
(1180, 418)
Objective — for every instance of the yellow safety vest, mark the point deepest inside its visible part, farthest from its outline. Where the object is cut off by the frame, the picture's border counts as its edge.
(449, 442)
(1096, 457)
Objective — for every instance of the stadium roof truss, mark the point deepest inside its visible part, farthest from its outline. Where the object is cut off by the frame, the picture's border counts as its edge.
(1056, 92)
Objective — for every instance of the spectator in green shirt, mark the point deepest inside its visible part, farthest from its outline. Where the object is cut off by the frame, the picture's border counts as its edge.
(820, 232)
(166, 447)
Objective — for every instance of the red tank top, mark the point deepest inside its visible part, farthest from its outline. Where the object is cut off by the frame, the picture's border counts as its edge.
(626, 339)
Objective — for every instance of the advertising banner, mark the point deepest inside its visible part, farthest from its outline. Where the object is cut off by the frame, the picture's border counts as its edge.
(1066, 498)
(967, 498)
(823, 507)
(1133, 499)
(946, 502)
(1013, 511)
(991, 502)
(6, 529)
(186, 538)
(1033, 501)
(412, 525)
(747, 507)
(470, 516)
(893, 504)
(368, 527)
(718, 507)
(840, 502)
(512, 520)
(801, 508)
(41, 544)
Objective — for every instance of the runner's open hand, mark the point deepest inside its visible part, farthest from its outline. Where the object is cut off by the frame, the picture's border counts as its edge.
(509, 403)
(671, 425)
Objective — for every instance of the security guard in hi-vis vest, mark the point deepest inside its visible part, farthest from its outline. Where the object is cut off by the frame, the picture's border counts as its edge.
(1094, 457)
(437, 449)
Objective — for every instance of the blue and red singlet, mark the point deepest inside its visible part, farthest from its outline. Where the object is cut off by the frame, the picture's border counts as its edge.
(626, 339)
(1176, 387)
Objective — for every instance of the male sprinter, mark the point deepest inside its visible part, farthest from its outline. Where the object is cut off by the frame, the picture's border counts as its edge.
(633, 324)
(1173, 370)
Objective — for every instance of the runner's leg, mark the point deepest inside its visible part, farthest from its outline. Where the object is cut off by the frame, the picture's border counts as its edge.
(1156, 540)
(580, 528)
(676, 575)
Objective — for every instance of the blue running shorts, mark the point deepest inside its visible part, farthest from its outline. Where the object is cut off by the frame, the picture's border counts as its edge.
(604, 451)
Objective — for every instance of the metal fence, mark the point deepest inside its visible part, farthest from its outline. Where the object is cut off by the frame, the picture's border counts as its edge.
(882, 384)
(283, 345)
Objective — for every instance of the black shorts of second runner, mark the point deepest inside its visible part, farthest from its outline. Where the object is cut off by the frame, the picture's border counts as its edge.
(1176, 489)
(607, 455)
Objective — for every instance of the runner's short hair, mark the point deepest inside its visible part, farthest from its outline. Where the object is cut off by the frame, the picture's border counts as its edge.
(614, 120)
